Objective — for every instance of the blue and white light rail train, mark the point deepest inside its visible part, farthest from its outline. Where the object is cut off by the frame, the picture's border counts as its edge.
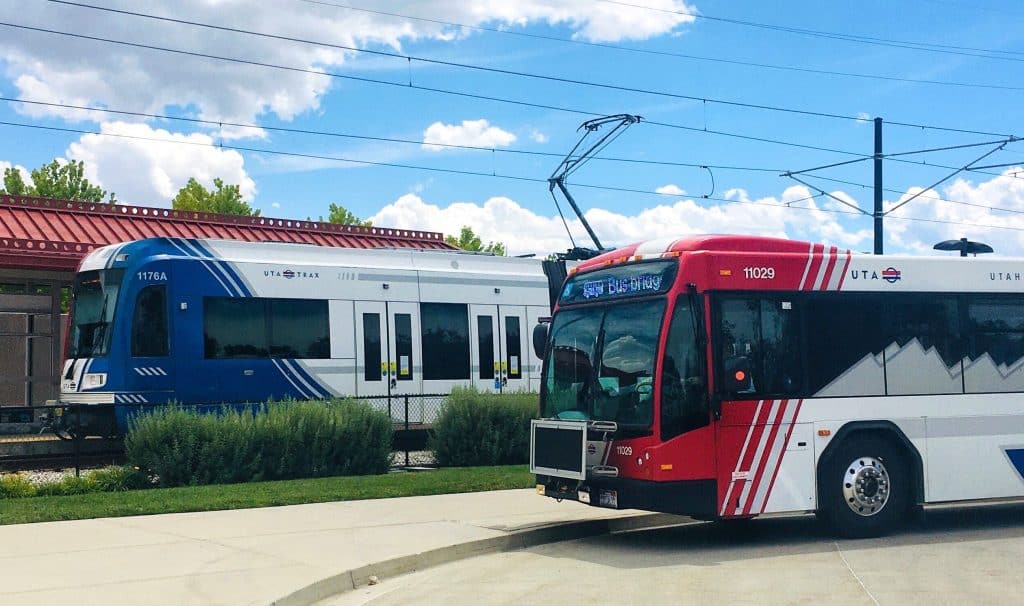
(217, 321)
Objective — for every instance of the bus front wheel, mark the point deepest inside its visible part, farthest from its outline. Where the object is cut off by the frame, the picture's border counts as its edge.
(865, 488)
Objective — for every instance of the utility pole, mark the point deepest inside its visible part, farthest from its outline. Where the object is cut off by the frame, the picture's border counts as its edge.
(878, 186)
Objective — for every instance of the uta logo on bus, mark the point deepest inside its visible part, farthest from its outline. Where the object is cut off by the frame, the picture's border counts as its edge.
(889, 274)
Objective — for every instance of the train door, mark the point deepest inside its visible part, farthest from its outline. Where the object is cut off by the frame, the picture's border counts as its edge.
(387, 363)
(405, 369)
(150, 368)
(513, 349)
(484, 337)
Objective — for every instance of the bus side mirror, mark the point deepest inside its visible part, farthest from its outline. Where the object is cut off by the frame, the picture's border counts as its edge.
(540, 339)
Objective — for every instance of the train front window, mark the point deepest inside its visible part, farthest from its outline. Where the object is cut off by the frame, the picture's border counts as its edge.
(601, 363)
(95, 300)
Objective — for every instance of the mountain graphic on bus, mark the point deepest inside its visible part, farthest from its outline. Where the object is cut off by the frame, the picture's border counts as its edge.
(913, 369)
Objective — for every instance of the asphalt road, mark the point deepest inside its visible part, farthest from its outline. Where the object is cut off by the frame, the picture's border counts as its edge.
(961, 555)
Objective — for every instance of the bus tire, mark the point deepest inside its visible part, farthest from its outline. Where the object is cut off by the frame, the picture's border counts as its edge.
(865, 487)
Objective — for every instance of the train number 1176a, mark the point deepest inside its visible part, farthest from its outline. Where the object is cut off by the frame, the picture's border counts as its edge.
(759, 273)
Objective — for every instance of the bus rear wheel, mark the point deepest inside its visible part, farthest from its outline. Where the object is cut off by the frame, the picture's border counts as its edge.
(865, 488)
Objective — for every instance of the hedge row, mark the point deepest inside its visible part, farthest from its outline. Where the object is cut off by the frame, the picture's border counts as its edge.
(180, 446)
(284, 440)
(477, 428)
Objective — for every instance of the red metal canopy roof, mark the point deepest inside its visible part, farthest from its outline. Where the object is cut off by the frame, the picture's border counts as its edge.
(41, 233)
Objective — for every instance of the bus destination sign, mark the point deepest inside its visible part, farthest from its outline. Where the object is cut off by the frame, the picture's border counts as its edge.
(620, 282)
(636, 285)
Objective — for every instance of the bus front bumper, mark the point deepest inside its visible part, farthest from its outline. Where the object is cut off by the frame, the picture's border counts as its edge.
(695, 498)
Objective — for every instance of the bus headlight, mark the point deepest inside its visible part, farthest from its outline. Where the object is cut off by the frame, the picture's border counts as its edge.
(94, 380)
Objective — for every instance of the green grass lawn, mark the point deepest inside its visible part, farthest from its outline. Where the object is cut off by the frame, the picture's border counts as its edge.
(262, 494)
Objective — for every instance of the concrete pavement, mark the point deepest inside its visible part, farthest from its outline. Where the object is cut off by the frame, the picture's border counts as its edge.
(957, 555)
(292, 555)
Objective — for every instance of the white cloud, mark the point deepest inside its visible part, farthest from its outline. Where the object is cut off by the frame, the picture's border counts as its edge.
(90, 73)
(538, 137)
(671, 190)
(525, 231)
(863, 117)
(475, 133)
(970, 215)
(150, 173)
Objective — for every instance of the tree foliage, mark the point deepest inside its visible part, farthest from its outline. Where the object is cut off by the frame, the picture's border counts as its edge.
(468, 240)
(340, 215)
(61, 180)
(224, 199)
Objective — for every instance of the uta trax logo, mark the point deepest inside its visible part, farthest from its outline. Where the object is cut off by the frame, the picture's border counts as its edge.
(891, 275)
(290, 274)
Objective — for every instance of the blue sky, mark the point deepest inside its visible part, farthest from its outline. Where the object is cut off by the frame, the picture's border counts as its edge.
(147, 170)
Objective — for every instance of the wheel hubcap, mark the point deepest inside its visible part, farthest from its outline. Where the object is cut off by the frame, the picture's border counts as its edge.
(866, 486)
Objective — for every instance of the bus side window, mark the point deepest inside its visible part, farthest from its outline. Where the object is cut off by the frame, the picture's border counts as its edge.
(149, 323)
(760, 347)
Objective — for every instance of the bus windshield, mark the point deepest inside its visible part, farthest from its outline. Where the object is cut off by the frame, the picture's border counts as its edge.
(95, 299)
(601, 363)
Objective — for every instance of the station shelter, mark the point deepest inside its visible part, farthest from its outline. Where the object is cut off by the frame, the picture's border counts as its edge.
(43, 240)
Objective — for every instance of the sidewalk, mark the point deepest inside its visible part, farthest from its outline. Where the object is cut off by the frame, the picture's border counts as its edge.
(257, 556)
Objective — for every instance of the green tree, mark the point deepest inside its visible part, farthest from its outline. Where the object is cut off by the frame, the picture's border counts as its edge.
(468, 240)
(224, 199)
(61, 180)
(342, 216)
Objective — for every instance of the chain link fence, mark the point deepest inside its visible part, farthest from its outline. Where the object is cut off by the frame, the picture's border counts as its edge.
(412, 416)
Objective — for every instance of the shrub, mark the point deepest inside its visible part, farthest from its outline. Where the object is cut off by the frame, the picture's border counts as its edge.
(67, 486)
(476, 428)
(281, 440)
(14, 486)
(118, 478)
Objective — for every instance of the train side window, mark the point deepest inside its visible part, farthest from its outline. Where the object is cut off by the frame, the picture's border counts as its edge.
(299, 329)
(485, 343)
(513, 350)
(149, 324)
(235, 327)
(403, 346)
(445, 328)
(371, 347)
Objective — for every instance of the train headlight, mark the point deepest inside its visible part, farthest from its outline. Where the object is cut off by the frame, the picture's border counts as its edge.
(94, 380)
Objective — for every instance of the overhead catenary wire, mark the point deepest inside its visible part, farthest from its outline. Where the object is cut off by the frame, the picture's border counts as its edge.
(507, 72)
(984, 53)
(437, 90)
(902, 192)
(654, 52)
(463, 94)
(274, 152)
(305, 131)
(947, 177)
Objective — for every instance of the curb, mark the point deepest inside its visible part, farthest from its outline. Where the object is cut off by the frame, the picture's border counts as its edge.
(515, 540)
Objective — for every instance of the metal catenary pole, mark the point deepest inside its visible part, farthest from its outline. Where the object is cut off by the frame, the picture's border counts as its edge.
(878, 214)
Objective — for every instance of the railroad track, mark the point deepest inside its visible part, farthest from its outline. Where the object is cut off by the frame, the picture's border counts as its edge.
(44, 452)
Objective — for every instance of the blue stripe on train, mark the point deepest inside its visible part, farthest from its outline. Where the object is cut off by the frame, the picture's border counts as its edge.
(1016, 456)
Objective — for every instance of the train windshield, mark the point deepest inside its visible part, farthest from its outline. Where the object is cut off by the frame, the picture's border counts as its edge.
(601, 363)
(95, 300)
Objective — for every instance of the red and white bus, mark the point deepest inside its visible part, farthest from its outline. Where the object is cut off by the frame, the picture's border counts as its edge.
(725, 377)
